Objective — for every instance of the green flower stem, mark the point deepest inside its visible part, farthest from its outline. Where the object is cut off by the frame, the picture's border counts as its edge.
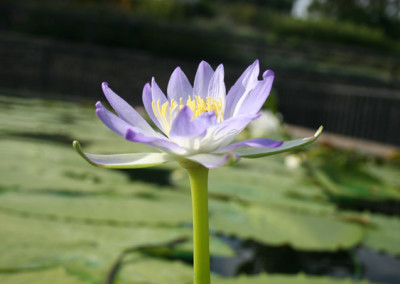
(201, 248)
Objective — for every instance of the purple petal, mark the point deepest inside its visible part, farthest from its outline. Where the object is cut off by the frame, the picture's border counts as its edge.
(207, 118)
(184, 126)
(256, 142)
(254, 100)
(243, 85)
(225, 132)
(156, 92)
(124, 161)
(147, 102)
(113, 122)
(202, 79)
(157, 143)
(179, 86)
(286, 146)
(188, 132)
(125, 111)
(214, 160)
(216, 88)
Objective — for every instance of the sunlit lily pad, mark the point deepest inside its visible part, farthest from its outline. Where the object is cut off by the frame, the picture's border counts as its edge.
(33, 243)
(277, 227)
(384, 234)
(48, 276)
(347, 176)
(148, 210)
(139, 269)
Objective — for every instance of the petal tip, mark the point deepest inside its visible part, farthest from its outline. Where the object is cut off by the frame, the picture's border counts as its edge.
(78, 149)
(129, 134)
(99, 105)
(76, 145)
(268, 73)
(319, 131)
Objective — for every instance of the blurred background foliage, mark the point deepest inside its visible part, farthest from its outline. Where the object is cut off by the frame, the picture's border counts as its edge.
(363, 23)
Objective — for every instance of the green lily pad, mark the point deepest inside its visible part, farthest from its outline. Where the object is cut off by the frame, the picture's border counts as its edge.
(278, 227)
(384, 234)
(349, 176)
(49, 276)
(149, 210)
(139, 269)
(33, 243)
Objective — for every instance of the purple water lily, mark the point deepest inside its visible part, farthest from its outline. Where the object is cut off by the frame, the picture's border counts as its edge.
(197, 123)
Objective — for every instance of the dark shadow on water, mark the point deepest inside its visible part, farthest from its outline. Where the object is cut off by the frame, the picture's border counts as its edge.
(160, 177)
(255, 258)
(388, 207)
(58, 138)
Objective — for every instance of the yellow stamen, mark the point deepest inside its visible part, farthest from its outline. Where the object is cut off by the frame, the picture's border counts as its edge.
(197, 104)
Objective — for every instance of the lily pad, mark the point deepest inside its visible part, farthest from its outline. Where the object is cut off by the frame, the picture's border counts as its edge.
(31, 243)
(148, 210)
(49, 276)
(348, 176)
(384, 234)
(278, 227)
(139, 269)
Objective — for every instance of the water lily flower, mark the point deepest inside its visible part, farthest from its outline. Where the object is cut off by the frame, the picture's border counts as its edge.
(196, 124)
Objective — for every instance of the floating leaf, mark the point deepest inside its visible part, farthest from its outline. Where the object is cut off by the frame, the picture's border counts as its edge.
(150, 210)
(384, 235)
(50, 276)
(137, 269)
(278, 227)
(32, 243)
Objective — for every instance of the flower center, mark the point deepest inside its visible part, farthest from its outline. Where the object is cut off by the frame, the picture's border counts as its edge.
(166, 112)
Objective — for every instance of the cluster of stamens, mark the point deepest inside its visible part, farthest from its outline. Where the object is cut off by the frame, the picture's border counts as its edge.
(166, 112)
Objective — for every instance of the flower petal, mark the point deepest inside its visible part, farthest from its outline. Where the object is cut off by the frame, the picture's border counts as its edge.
(156, 92)
(124, 161)
(216, 88)
(188, 132)
(286, 146)
(115, 123)
(225, 132)
(202, 79)
(147, 102)
(184, 126)
(157, 143)
(125, 111)
(179, 86)
(243, 85)
(254, 143)
(253, 101)
(214, 160)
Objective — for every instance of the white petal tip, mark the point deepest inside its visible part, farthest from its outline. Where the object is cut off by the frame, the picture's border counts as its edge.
(319, 131)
